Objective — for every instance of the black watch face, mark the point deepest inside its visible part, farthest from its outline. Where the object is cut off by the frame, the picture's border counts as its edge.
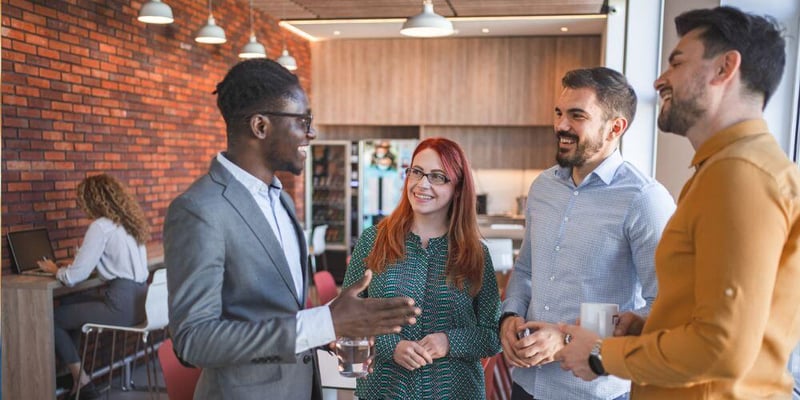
(596, 365)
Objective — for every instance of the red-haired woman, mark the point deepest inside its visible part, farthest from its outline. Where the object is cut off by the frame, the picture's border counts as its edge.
(429, 249)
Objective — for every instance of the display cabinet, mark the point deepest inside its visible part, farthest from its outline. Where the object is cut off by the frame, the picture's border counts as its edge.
(328, 191)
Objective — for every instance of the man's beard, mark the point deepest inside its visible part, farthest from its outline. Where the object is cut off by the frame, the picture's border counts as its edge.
(681, 115)
(583, 150)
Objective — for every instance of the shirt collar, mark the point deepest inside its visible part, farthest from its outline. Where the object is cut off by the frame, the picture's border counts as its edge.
(605, 171)
(250, 182)
(723, 138)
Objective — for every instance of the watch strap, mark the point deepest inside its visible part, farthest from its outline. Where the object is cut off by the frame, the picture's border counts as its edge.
(503, 318)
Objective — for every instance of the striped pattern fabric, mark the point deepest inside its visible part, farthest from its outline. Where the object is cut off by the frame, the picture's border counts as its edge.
(470, 324)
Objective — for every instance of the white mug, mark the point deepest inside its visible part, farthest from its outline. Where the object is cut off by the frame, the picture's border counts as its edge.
(600, 318)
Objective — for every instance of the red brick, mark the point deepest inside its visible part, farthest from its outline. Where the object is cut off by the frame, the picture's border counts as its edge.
(50, 74)
(36, 40)
(38, 82)
(19, 186)
(69, 38)
(28, 112)
(26, 69)
(14, 122)
(48, 53)
(11, 100)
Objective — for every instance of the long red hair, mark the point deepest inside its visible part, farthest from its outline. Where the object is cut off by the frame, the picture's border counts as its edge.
(465, 255)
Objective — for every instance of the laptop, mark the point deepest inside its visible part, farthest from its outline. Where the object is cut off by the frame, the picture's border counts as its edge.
(27, 247)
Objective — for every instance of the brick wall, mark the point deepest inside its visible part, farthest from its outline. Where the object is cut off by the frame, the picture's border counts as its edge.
(88, 89)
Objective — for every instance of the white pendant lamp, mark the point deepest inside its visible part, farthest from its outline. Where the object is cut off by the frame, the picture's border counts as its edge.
(427, 23)
(211, 33)
(253, 49)
(155, 12)
(287, 60)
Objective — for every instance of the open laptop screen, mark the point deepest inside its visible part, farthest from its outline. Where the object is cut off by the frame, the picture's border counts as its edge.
(29, 246)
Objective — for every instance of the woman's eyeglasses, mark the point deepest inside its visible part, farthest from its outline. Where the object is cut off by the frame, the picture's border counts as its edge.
(305, 119)
(435, 178)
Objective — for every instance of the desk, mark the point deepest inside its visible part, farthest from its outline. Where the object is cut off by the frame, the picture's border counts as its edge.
(29, 364)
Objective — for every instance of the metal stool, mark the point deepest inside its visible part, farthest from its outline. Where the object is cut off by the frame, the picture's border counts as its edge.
(157, 319)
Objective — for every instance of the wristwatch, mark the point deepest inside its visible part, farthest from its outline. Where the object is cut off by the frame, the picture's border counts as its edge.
(596, 359)
(503, 317)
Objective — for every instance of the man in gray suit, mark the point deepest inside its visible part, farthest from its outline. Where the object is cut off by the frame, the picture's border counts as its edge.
(236, 255)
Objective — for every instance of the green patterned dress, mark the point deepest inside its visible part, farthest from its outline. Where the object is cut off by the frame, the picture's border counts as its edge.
(470, 324)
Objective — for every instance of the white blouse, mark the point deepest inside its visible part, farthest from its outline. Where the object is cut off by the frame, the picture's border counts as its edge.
(109, 248)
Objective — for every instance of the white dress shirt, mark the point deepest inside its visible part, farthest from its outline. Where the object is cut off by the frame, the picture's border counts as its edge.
(109, 248)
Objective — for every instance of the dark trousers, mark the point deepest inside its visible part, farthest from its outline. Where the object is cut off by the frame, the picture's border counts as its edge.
(518, 393)
(121, 303)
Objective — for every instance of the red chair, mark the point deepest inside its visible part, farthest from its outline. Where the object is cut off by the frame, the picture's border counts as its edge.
(497, 378)
(326, 287)
(489, 365)
(180, 380)
(504, 374)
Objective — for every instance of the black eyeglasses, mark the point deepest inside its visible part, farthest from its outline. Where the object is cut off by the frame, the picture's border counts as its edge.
(306, 118)
(435, 178)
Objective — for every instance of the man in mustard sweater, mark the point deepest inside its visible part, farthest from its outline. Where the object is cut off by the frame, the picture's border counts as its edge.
(728, 264)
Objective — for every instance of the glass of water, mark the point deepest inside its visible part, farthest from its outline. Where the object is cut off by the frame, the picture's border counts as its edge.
(354, 355)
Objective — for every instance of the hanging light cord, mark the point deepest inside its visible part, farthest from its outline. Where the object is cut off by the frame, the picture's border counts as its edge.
(252, 31)
(209, 9)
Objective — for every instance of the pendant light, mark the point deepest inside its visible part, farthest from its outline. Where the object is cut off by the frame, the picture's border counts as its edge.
(211, 32)
(155, 12)
(253, 49)
(287, 60)
(427, 23)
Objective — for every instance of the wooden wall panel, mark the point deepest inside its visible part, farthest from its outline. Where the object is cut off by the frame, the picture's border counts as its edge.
(362, 132)
(470, 81)
(503, 147)
(573, 54)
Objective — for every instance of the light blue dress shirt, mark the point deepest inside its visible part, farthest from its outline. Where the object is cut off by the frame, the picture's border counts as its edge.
(589, 243)
(314, 325)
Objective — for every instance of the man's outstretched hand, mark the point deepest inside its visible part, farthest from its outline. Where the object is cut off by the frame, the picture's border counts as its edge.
(354, 316)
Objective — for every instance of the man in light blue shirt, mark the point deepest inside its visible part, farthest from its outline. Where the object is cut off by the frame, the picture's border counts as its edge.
(592, 226)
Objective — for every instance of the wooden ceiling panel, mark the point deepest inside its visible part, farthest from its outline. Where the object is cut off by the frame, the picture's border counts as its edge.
(361, 9)
(475, 8)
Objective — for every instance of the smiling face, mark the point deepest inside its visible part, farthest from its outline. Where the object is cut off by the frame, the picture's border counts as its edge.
(581, 127)
(286, 146)
(425, 198)
(682, 86)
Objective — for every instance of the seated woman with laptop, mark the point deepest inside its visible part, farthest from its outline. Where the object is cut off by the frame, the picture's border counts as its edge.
(114, 246)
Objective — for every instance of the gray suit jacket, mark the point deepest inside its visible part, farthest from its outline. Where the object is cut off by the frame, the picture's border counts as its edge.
(232, 301)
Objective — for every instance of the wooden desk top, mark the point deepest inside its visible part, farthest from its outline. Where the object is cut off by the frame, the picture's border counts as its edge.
(35, 282)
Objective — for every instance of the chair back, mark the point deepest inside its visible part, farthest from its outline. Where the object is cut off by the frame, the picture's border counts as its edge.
(156, 305)
(326, 287)
(502, 253)
(496, 378)
(488, 376)
(318, 239)
(504, 377)
(180, 380)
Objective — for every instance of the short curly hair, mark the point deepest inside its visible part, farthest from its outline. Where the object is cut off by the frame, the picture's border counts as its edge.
(104, 196)
(252, 85)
